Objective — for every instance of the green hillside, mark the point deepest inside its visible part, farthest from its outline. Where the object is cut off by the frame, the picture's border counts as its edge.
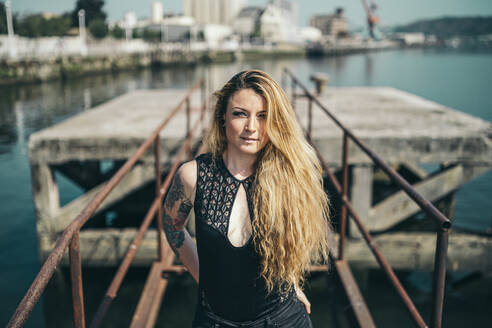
(450, 26)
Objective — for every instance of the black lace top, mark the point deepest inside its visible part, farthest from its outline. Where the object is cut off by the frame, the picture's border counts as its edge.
(230, 282)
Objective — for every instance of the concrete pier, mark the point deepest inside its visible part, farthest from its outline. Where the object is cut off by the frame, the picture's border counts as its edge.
(405, 130)
(402, 128)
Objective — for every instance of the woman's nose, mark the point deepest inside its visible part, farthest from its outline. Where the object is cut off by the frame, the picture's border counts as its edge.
(251, 124)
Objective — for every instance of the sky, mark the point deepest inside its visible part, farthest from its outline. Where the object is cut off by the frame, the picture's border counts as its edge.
(390, 12)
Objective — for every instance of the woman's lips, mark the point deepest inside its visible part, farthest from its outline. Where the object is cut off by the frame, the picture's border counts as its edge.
(249, 139)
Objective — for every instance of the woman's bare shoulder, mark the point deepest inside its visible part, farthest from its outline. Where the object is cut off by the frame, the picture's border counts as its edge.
(188, 175)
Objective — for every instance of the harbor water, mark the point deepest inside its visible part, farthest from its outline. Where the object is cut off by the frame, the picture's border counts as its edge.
(457, 79)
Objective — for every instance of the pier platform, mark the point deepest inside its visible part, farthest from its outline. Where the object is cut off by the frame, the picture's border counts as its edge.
(115, 129)
(404, 129)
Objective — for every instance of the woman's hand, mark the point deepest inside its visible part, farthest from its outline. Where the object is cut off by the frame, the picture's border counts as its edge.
(302, 297)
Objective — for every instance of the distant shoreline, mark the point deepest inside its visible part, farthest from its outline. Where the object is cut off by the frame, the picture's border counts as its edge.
(52, 68)
(38, 70)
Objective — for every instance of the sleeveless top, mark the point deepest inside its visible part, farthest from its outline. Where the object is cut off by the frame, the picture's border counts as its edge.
(230, 284)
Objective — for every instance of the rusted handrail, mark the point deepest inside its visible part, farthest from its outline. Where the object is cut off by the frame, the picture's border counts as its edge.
(76, 273)
(343, 193)
(372, 246)
(424, 204)
(443, 223)
(44, 275)
(153, 210)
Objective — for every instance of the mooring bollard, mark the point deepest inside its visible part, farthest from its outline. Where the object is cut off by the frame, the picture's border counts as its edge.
(320, 79)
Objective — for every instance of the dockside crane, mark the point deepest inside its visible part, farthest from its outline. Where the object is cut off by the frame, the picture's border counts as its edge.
(372, 19)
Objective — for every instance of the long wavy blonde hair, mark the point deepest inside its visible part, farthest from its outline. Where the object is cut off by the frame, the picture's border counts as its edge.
(290, 206)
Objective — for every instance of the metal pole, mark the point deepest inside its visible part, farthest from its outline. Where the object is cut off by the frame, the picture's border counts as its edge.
(83, 47)
(284, 79)
(294, 94)
(188, 122)
(343, 215)
(208, 86)
(10, 30)
(76, 275)
(128, 35)
(203, 95)
(158, 217)
(187, 116)
(203, 107)
(310, 118)
(439, 279)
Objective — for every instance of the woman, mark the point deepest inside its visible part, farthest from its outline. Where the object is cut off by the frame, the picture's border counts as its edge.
(260, 210)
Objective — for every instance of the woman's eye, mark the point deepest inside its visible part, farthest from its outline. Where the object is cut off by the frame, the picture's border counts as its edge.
(262, 116)
(238, 113)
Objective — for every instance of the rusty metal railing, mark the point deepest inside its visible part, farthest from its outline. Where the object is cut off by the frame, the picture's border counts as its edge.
(70, 236)
(443, 224)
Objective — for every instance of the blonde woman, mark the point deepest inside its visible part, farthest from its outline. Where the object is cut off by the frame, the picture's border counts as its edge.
(260, 210)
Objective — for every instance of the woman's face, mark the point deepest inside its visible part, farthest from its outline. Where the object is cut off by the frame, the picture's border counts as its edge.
(245, 119)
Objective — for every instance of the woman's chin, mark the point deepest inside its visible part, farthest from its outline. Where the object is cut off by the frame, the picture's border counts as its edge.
(248, 149)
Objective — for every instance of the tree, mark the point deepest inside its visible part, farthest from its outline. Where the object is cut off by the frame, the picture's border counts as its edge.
(446, 27)
(37, 25)
(201, 36)
(3, 19)
(30, 26)
(151, 35)
(137, 33)
(98, 29)
(117, 32)
(93, 11)
(60, 26)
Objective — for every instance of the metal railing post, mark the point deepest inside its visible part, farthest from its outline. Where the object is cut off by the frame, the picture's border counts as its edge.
(188, 108)
(76, 277)
(203, 95)
(188, 123)
(343, 215)
(439, 278)
(158, 217)
(284, 79)
(203, 106)
(293, 101)
(310, 118)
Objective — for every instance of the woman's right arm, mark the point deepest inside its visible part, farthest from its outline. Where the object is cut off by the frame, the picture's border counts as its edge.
(177, 206)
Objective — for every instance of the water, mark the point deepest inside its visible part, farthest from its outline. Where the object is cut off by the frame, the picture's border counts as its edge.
(459, 80)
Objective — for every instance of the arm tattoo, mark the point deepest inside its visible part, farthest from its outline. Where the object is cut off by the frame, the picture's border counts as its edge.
(176, 208)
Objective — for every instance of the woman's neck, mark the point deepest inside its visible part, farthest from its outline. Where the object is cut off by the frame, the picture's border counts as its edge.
(239, 164)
